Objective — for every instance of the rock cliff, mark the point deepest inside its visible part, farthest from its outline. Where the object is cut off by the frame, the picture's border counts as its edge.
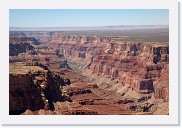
(18, 39)
(16, 49)
(33, 87)
(137, 64)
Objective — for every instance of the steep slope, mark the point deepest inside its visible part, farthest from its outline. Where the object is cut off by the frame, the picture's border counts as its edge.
(135, 70)
(33, 87)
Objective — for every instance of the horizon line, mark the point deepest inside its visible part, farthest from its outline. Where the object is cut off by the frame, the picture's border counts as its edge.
(91, 26)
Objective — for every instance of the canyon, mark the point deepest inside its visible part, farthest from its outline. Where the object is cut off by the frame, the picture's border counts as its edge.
(88, 75)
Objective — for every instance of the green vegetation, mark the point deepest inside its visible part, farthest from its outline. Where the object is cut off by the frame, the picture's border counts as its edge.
(145, 35)
(75, 66)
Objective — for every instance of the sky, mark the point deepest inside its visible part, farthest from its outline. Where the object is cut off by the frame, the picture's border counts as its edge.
(86, 17)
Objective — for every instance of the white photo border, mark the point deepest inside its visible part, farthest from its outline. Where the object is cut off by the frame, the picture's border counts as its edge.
(171, 119)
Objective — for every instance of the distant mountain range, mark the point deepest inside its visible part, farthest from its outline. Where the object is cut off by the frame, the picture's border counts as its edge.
(94, 28)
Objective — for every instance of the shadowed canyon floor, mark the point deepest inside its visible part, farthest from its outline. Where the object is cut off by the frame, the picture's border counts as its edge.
(88, 75)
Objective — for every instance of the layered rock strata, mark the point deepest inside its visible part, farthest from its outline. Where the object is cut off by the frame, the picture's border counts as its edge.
(119, 77)
(33, 87)
(141, 65)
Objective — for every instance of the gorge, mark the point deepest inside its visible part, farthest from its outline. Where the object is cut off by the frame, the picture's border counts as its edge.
(88, 75)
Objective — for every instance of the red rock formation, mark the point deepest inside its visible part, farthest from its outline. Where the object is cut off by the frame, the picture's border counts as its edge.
(162, 93)
(127, 73)
(32, 87)
(23, 94)
(136, 64)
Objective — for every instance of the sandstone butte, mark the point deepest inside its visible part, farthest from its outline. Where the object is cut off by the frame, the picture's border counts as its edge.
(88, 75)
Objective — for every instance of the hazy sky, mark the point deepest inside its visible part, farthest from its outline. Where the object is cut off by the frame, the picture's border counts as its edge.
(86, 17)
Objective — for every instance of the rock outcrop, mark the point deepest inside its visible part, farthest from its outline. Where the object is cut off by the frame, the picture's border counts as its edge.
(23, 94)
(23, 39)
(33, 87)
(16, 49)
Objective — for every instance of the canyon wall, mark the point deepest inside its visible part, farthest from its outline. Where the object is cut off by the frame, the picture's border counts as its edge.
(141, 65)
(23, 39)
(33, 87)
(16, 49)
(109, 76)
(22, 44)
